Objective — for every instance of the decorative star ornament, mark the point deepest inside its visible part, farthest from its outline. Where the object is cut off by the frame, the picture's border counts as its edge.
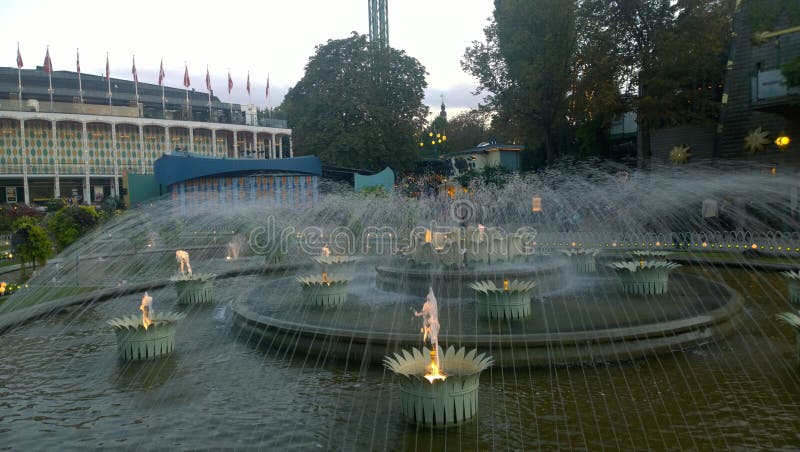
(756, 140)
(679, 154)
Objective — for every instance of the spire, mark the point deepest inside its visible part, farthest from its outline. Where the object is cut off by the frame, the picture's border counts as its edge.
(443, 113)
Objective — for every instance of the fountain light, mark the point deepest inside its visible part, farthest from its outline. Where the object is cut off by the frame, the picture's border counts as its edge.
(324, 290)
(582, 260)
(192, 288)
(512, 301)
(152, 336)
(428, 395)
(645, 276)
(326, 251)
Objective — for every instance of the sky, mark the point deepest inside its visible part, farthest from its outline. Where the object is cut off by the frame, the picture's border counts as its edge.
(267, 38)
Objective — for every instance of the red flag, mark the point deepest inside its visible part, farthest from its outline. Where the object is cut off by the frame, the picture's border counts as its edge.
(230, 82)
(78, 61)
(186, 81)
(19, 58)
(108, 70)
(267, 90)
(248, 83)
(135, 75)
(208, 80)
(48, 65)
(161, 73)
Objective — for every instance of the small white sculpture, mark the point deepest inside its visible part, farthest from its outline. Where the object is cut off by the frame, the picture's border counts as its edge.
(147, 310)
(183, 258)
(430, 321)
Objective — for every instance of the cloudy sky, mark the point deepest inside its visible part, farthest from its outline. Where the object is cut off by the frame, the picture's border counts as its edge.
(262, 37)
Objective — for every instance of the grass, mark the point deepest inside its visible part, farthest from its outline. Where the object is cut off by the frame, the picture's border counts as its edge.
(30, 296)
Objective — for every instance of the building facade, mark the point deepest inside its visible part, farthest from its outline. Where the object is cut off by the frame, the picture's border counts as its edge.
(80, 145)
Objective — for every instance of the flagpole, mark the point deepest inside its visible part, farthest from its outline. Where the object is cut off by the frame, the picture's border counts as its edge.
(19, 77)
(161, 82)
(80, 85)
(108, 78)
(136, 82)
(50, 77)
(185, 85)
(208, 80)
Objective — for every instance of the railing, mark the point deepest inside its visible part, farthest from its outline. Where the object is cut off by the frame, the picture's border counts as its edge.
(277, 123)
(774, 242)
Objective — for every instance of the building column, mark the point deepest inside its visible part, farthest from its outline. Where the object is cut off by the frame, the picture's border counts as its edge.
(272, 146)
(255, 143)
(25, 187)
(86, 180)
(214, 142)
(191, 139)
(235, 146)
(116, 159)
(142, 148)
(56, 182)
(291, 151)
(167, 143)
(280, 148)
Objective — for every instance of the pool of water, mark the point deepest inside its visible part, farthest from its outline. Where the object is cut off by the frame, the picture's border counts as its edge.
(62, 386)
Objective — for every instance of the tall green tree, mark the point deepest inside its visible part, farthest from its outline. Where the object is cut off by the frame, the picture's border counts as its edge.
(358, 105)
(526, 65)
(467, 129)
(670, 56)
(31, 242)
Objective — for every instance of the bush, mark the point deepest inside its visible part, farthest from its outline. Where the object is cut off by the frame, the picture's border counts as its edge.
(69, 224)
(31, 241)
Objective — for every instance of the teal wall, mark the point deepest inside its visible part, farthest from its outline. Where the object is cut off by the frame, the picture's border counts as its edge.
(141, 188)
(384, 179)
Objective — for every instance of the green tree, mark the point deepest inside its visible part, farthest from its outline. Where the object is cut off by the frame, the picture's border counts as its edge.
(69, 224)
(466, 130)
(670, 55)
(526, 63)
(31, 242)
(358, 105)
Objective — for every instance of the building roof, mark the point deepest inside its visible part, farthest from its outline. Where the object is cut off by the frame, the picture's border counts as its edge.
(486, 148)
(173, 168)
(35, 85)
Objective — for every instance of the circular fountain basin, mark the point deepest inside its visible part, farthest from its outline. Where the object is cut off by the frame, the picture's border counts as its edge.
(446, 283)
(593, 321)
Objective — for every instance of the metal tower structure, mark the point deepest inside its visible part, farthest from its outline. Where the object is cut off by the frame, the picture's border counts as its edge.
(378, 22)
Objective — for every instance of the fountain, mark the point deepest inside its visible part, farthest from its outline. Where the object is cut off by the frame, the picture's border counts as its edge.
(324, 290)
(441, 391)
(645, 277)
(152, 336)
(511, 301)
(793, 320)
(192, 288)
(582, 260)
(793, 286)
(591, 366)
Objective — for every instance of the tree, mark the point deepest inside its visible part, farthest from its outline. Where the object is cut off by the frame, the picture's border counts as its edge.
(467, 130)
(358, 105)
(69, 224)
(526, 64)
(31, 242)
(670, 54)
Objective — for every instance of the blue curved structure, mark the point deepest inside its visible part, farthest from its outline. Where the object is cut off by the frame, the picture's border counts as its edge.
(174, 168)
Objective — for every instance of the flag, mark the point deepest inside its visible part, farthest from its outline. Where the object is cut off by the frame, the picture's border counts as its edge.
(267, 90)
(208, 80)
(48, 65)
(135, 74)
(19, 58)
(230, 82)
(78, 61)
(186, 81)
(108, 70)
(161, 73)
(248, 83)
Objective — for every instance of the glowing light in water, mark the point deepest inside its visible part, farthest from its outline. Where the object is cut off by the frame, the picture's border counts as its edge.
(430, 331)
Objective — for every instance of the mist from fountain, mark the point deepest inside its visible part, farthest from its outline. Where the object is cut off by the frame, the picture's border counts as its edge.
(222, 381)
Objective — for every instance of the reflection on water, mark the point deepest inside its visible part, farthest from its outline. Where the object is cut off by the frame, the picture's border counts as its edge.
(62, 386)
